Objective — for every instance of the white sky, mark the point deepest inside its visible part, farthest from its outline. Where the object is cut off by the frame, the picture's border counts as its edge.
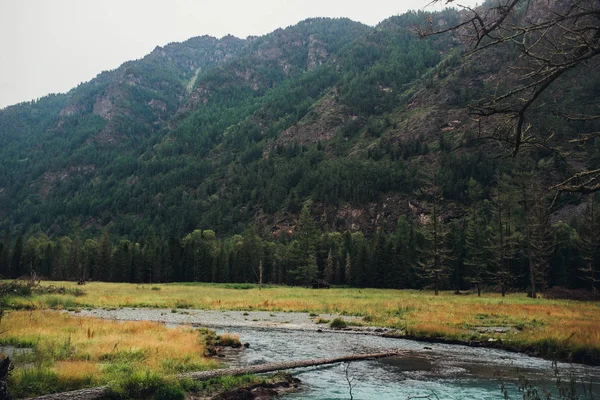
(50, 46)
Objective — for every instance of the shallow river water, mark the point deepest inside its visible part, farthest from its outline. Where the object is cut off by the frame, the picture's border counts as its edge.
(445, 371)
(439, 371)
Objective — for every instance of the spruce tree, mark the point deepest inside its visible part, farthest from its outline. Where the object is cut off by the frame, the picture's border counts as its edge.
(503, 239)
(435, 252)
(329, 268)
(16, 267)
(104, 264)
(476, 232)
(589, 245)
(5, 255)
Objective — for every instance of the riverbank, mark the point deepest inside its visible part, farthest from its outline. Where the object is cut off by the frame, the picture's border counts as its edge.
(549, 328)
(229, 320)
(302, 338)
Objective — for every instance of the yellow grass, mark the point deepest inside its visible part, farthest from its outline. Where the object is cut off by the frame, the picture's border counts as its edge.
(569, 326)
(574, 324)
(85, 349)
(229, 339)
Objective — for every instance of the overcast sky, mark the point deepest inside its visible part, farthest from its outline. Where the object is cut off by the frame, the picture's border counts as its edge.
(50, 46)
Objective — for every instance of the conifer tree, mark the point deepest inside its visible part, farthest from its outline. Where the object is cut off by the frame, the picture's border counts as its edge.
(16, 267)
(503, 239)
(90, 258)
(104, 264)
(435, 252)
(5, 255)
(348, 269)
(541, 241)
(329, 268)
(589, 245)
(476, 257)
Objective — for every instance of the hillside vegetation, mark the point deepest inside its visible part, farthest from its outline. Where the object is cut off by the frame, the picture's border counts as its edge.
(328, 149)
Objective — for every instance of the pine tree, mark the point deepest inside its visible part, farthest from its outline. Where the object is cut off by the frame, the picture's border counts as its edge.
(90, 258)
(5, 255)
(503, 239)
(348, 270)
(306, 234)
(435, 252)
(122, 258)
(541, 241)
(476, 232)
(307, 272)
(16, 267)
(104, 264)
(589, 245)
(75, 268)
(329, 268)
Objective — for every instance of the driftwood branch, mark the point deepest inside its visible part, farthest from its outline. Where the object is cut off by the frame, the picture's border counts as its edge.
(272, 367)
(98, 392)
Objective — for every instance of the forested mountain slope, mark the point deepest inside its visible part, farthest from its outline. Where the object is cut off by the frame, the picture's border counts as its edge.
(330, 146)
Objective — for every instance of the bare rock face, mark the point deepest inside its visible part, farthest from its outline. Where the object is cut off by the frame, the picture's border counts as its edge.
(317, 53)
(318, 125)
(70, 110)
(51, 179)
(104, 107)
(158, 105)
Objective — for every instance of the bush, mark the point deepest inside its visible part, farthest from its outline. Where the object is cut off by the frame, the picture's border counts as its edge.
(338, 323)
(562, 293)
(143, 384)
(170, 392)
(229, 340)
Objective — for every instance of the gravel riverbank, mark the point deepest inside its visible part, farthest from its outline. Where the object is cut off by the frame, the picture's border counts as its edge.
(230, 319)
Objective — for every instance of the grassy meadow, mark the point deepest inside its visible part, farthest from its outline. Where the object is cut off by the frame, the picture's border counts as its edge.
(562, 325)
(70, 351)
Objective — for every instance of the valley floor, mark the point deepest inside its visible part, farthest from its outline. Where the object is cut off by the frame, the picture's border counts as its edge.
(559, 329)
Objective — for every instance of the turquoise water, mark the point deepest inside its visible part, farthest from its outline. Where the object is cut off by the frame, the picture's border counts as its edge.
(434, 370)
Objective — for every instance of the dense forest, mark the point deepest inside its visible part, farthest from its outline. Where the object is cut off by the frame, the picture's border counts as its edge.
(327, 150)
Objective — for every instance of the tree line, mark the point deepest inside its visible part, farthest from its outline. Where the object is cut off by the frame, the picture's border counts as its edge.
(502, 243)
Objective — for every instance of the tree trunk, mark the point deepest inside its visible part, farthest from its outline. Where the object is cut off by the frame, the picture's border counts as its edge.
(103, 391)
(260, 275)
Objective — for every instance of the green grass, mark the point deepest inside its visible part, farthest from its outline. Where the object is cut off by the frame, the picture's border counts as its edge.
(531, 322)
(338, 323)
(39, 380)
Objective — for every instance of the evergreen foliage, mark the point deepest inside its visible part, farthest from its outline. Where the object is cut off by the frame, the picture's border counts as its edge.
(294, 156)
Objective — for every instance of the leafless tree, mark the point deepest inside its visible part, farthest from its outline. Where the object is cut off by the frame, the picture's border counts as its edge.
(554, 40)
(349, 379)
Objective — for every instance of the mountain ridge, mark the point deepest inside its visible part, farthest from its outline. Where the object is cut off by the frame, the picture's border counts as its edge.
(247, 129)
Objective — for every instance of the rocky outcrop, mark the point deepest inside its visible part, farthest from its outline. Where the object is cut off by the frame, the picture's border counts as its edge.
(320, 124)
(317, 53)
(51, 179)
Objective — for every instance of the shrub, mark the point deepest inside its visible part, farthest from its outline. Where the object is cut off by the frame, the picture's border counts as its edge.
(338, 323)
(139, 384)
(169, 392)
(563, 293)
(228, 339)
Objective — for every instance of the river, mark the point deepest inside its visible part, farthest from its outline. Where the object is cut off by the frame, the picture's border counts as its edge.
(440, 371)
(445, 371)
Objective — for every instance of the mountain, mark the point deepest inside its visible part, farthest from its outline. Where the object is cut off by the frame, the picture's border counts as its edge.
(328, 148)
(213, 132)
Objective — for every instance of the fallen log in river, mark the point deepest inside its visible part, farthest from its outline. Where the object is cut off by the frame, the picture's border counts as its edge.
(97, 392)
